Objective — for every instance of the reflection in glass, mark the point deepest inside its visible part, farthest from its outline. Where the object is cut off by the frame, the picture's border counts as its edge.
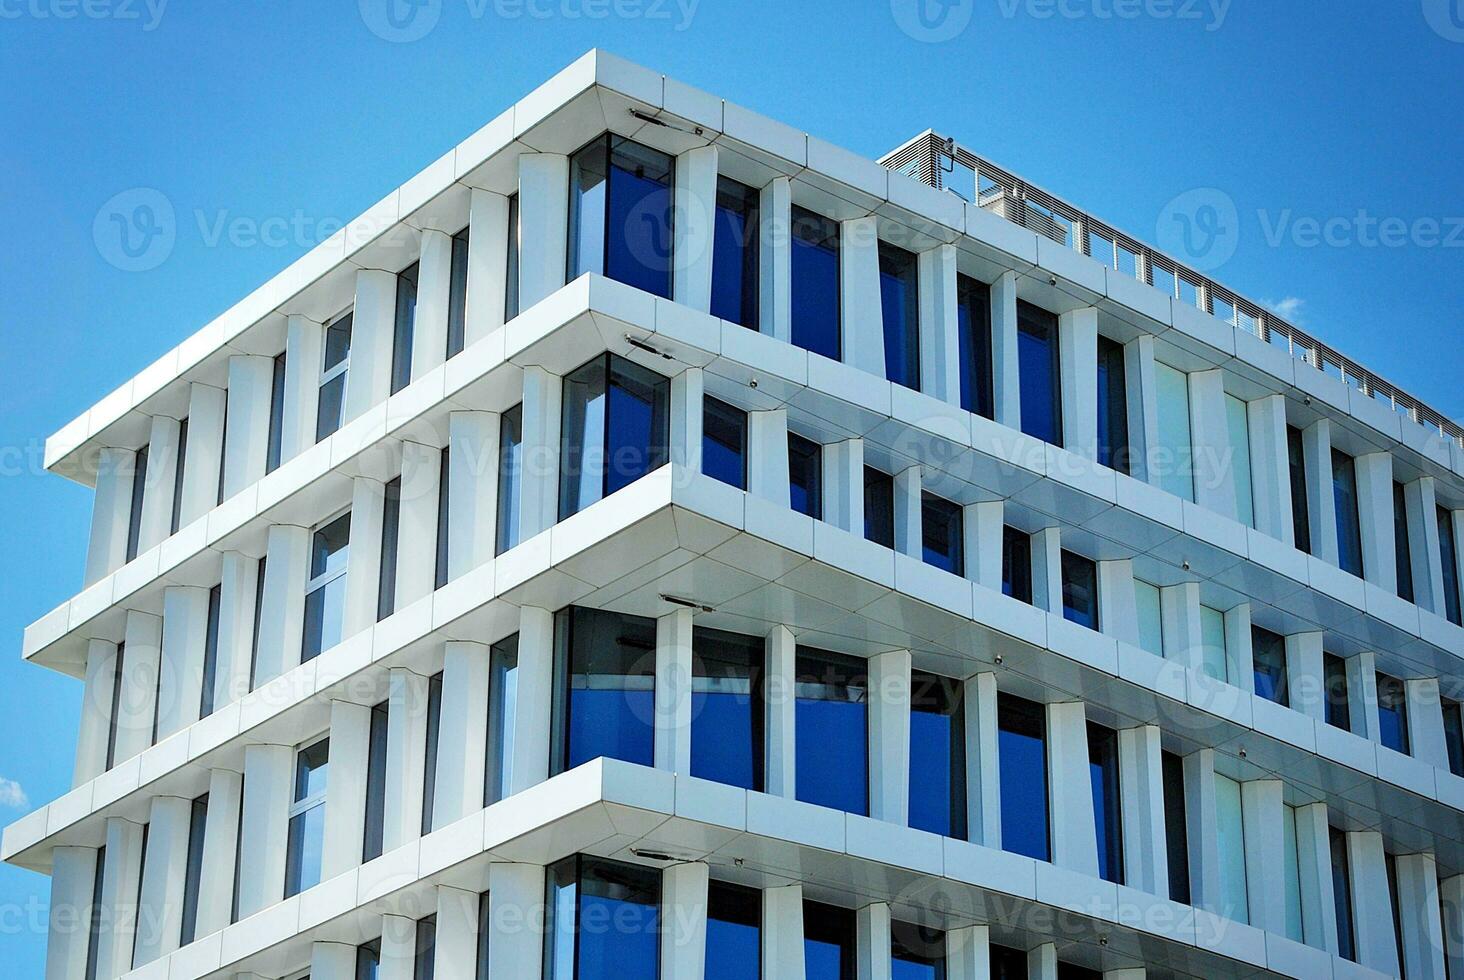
(832, 726)
(605, 678)
(727, 708)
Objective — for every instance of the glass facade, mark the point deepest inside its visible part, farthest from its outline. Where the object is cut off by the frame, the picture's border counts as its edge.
(1021, 734)
(900, 310)
(1176, 828)
(374, 839)
(602, 919)
(735, 234)
(916, 952)
(1040, 373)
(210, 653)
(616, 429)
(1151, 617)
(734, 932)
(973, 336)
(1392, 713)
(134, 510)
(274, 441)
(724, 442)
(1107, 805)
(727, 708)
(832, 725)
(1334, 680)
(815, 298)
(621, 213)
(1174, 463)
(828, 942)
(1342, 894)
(193, 870)
(1449, 558)
(306, 835)
(1113, 437)
(1079, 590)
(937, 755)
(511, 285)
(879, 507)
(1402, 547)
(510, 478)
(1016, 564)
(1214, 644)
(805, 476)
(1268, 658)
(1300, 506)
(943, 534)
(1349, 530)
(429, 765)
(325, 593)
(1291, 873)
(335, 365)
(604, 669)
(391, 525)
(457, 295)
(404, 327)
(1454, 735)
(502, 716)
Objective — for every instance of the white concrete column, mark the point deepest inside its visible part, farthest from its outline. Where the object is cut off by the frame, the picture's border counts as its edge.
(1042, 962)
(861, 322)
(1047, 570)
(543, 224)
(673, 692)
(1077, 344)
(332, 961)
(363, 557)
(539, 484)
(985, 527)
(1316, 450)
(780, 771)
(1210, 437)
(434, 287)
(1179, 608)
(238, 595)
(121, 876)
(111, 513)
(282, 602)
(1372, 908)
(157, 495)
(73, 883)
(1420, 502)
(1374, 475)
(1141, 788)
(1362, 695)
(1425, 716)
(515, 904)
(488, 237)
(1203, 831)
(345, 801)
(1005, 366)
(684, 920)
(1314, 868)
(1419, 917)
(373, 328)
(1239, 652)
(782, 933)
(246, 433)
(1451, 898)
(406, 755)
(1070, 788)
(462, 742)
(1118, 608)
(533, 718)
(472, 497)
(775, 259)
(138, 702)
(304, 357)
(1306, 690)
(889, 737)
(164, 868)
(767, 455)
(455, 945)
(940, 346)
(696, 210)
(184, 637)
(398, 948)
(269, 772)
(983, 773)
(1265, 850)
(204, 458)
(687, 400)
(843, 485)
(416, 571)
(872, 942)
(1270, 468)
(96, 711)
(220, 843)
(968, 953)
(909, 513)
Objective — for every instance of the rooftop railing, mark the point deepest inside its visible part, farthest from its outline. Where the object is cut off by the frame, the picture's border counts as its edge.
(946, 165)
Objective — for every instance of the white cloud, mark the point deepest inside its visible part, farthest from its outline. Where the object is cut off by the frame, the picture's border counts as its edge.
(12, 795)
(1291, 308)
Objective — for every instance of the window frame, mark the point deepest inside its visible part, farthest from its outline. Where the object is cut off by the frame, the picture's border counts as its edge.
(328, 373)
(318, 583)
(301, 806)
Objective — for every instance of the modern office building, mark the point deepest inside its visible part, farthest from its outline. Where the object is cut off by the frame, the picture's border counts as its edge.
(655, 542)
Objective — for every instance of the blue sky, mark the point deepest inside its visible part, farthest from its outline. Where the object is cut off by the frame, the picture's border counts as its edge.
(290, 117)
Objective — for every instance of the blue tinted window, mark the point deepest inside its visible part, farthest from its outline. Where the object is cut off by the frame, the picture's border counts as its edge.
(942, 533)
(616, 426)
(734, 933)
(724, 443)
(424, 953)
(1113, 444)
(916, 952)
(605, 677)
(815, 288)
(937, 755)
(1079, 590)
(1107, 816)
(603, 919)
(406, 318)
(1039, 377)
(734, 254)
(805, 476)
(1016, 564)
(832, 725)
(900, 307)
(1342, 893)
(457, 295)
(502, 718)
(828, 942)
(973, 333)
(1268, 660)
(1022, 751)
(879, 507)
(621, 213)
(1449, 557)
(1392, 713)
(727, 708)
(1344, 493)
(510, 477)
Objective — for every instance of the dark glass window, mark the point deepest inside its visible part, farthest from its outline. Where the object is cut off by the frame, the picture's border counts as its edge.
(511, 286)
(900, 308)
(1449, 557)
(1022, 756)
(1338, 707)
(325, 599)
(879, 507)
(1113, 442)
(403, 329)
(134, 517)
(1300, 509)
(1268, 661)
(193, 872)
(1349, 532)
(376, 784)
(444, 484)
(510, 477)
(916, 952)
(179, 470)
(734, 932)
(1402, 547)
(616, 429)
(603, 919)
(815, 283)
(832, 726)
(502, 710)
(1079, 590)
(943, 534)
(95, 915)
(335, 366)
(391, 521)
(1040, 377)
(724, 442)
(1071, 971)
(973, 334)
(429, 765)
(1107, 805)
(259, 571)
(368, 960)
(457, 295)
(306, 835)
(276, 417)
(805, 476)
(734, 254)
(1008, 963)
(621, 213)
(937, 755)
(727, 708)
(1390, 866)
(828, 942)
(210, 653)
(605, 678)
(119, 663)
(1176, 828)
(424, 959)
(1016, 564)
(1454, 735)
(485, 934)
(1342, 894)
(1393, 713)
